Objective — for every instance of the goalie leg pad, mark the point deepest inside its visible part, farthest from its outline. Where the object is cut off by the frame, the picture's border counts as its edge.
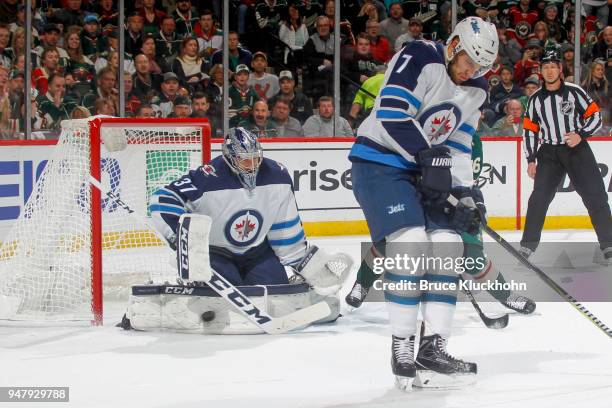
(325, 272)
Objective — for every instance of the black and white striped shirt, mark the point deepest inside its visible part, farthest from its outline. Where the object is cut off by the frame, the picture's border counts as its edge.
(552, 114)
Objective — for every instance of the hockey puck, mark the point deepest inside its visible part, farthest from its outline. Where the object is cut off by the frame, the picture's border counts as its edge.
(208, 316)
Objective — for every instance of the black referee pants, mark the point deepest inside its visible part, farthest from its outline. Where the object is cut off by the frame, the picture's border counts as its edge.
(553, 161)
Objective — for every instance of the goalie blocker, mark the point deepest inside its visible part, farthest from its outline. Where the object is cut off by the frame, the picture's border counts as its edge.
(221, 308)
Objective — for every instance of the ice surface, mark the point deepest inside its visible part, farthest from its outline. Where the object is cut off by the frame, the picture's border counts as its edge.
(555, 358)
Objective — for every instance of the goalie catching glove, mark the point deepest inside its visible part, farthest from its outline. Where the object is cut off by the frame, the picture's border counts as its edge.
(324, 272)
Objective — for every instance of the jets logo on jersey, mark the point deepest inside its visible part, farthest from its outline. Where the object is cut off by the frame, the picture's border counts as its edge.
(439, 121)
(243, 227)
(209, 170)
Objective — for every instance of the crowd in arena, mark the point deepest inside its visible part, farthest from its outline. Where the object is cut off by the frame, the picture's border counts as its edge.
(281, 60)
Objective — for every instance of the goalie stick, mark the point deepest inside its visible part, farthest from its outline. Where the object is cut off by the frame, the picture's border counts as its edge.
(551, 283)
(269, 324)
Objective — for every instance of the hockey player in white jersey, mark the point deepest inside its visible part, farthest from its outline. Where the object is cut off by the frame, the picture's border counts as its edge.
(256, 236)
(411, 153)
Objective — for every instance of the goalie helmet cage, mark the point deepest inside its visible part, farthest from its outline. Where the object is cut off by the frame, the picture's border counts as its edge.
(51, 263)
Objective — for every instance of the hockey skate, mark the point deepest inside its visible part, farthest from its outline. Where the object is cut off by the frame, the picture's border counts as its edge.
(438, 369)
(519, 303)
(357, 295)
(402, 362)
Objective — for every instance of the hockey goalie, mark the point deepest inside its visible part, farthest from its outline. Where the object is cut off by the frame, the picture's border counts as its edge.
(236, 229)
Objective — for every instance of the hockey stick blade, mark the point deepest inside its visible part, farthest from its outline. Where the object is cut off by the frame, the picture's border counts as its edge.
(551, 283)
(491, 322)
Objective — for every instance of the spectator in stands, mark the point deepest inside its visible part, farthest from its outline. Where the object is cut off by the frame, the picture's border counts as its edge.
(286, 126)
(103, 106)
(323, 123)
(551, 19)
(201, 107)
(293, 33)
(599, 88)
(5, 38)
(109, 16)
(79, 66)
(509, 49)
(310, 10)
(259, 121)
(237, 54)
(93, 42)
(189, 66)
(540, 32)
(600, 8)
(210, 39)
(152, 17)
(50, 39)
(357, 68)
(603, 47)
(214, 92)
(379, 45)
(80, 112)
(415, 32)
(6, 127)
(531, 85)
(71, 15)
(8, 11)
(50, 65)
(268, 15)
(185, 18)
(530, 63)
(502, 92)
(522, 19)
(346, 32)
(17, 45)
(242, 96)
(301, 108)
(265, 84)
(132, 102)
(365, 97)
(148, 49)
(512, 123)
(181, 108)
(169, 92)
(395, 25)
(112, 51)
(53, 105)
(106, 88)
(145, 111)
(146, 85)
(319, 57)
(367, 13)
(442, 27)
(567, 62)
(133, 34)
(494, 74)
(167, 41)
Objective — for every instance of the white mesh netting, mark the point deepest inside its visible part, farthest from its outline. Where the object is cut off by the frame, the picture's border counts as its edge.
(46, 260)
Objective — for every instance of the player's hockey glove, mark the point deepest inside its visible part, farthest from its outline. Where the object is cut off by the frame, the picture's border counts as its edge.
(436, 179)
(480, 204)
(464, 217)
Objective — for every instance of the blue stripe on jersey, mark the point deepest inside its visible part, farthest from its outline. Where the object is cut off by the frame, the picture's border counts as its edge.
(368, 153)
(287, 241)
(166, 209)
(394, 103)
(436, 297)
(285, 224)
(391, 114)
(402, 300)
(467, 129)
(458, 146)
(403, 93)
(407, 135)
(164, 199)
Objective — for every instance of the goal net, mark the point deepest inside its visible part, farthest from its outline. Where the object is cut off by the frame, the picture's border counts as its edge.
(73, 244)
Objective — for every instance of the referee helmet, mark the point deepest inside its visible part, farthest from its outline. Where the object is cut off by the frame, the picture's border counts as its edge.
(550, 55)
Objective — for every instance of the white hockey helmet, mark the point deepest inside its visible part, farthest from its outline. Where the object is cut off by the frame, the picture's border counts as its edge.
(479, 40)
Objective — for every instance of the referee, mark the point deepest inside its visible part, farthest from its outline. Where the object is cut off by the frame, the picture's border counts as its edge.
(560, 117)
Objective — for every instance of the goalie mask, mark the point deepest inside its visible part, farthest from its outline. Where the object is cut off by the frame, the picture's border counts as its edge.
(242, 153)
(478, 39)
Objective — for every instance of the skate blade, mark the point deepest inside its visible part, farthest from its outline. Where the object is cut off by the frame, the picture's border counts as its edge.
(404, 383)
(432, 380)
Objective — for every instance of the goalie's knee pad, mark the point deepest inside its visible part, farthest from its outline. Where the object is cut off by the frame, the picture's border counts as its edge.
(325, 272)
(201, 310)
